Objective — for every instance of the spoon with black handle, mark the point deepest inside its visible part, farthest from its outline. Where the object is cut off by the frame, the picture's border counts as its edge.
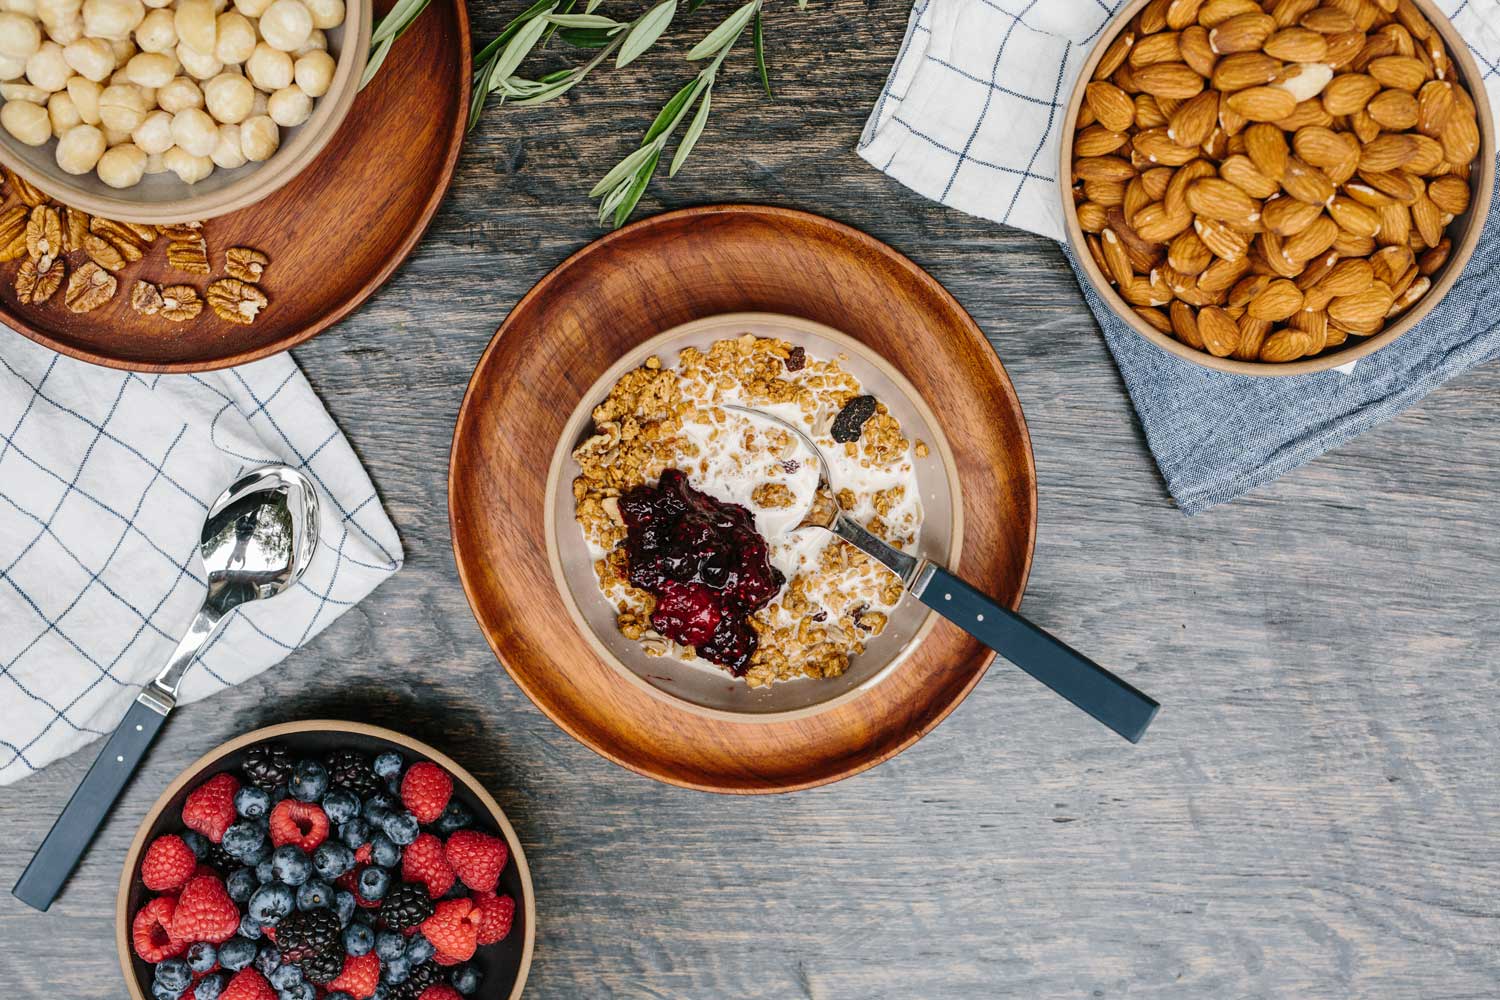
(256, 543)
(1080, 680)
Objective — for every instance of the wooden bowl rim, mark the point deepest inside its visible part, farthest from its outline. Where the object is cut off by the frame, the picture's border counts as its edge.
(1458, 259)
(599, 389)
(459, 772)
(286, 163)
(874, 247)
(381, 275)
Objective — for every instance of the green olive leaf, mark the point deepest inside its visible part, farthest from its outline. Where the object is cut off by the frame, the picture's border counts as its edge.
(690, 137)
(625, 168)
(672, 111)
(636, 189)
(520, 46)
(725, 34)
(645, 32)
(760, 54)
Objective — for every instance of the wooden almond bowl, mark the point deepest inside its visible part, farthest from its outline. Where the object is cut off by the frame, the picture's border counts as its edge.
(1464, 231)
(160, 199)
(504, 966)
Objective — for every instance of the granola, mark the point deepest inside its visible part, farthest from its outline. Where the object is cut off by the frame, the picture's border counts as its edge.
(656, 417)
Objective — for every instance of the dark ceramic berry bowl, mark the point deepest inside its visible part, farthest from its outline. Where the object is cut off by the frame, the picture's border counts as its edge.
(502, 967)
(702, 687)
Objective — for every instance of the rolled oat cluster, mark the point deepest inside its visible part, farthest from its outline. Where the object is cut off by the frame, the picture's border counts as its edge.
(1264, 180)
(129, 88)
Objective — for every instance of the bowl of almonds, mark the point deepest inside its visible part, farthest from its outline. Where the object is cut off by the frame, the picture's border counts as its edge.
(1277, 187)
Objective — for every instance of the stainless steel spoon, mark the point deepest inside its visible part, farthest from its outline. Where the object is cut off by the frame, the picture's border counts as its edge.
(257, 542)
(1066, 671)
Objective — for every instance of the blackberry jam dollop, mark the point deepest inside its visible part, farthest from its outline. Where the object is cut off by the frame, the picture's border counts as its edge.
(705, 563)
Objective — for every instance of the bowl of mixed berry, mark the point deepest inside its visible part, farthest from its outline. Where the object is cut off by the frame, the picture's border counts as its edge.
(325, 861)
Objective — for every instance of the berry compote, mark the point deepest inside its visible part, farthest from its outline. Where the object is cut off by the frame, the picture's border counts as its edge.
(707, 566)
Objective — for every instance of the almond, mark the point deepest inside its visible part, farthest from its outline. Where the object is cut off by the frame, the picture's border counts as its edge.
(1395, 110)
(1155, 182)
(1156, 318)
(1327, 21)
(1156, 146)
(1398, 184)
(1450, 193)
(1432, 260)
(1156, 48)
(1262, 104)
(1267, 149)
(1296, 45)
(1460, 137)
(1221, 239)
(1287, 12)
(1239, 171)
(1314, 323)
(1428, 219)
(1192, 122)
(1398, 72)
(1091, 217)
(1347, 93)
(1117, 261)
(1434, 104)
(1354, 217)
(1306, 183)
(1244, 69)
(1148, 113)
(1412, 19)
(1406, 299)
(1155, 224)
(1245, 32)
(1168, 80)
(1316, 270)
(1182, 13)
(1096, 140)
(1253, 333)
(1106, 193)
(1355, 311)
(1395, 225)
(1153, 17)
(1184, 324)
(1322, 147)
(1389, 263)
(1213, 198)
(1176, 194)
(1276, 301)
(1115, 55)
(1196, 52)
(1221, 275)
(1188, 254)
(1285, 344)
(1387, 152)
(1349, 245)
(1428, 157)
(1103, 168)
(1111, 106)
(1312, 241)
(1246, 289)
(1218, 332)
(1305, 81)
(1288, 216)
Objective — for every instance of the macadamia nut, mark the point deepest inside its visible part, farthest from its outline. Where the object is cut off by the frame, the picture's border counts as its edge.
(112, 19)
(285, 25)
(28, 122)
(20, 90)
(157, 32)
(85, 94)
(151, 69)
(46, 68)
(198, 65)
(227, 152)
(61, 111)
(122, 106)
(122, 166)
(314, 73)
(179, 93)
(325, 13)
(196, 26)
(289, 107)
(154, 135)
(229, 98)
(92, 58)
(20, 36)
(12, 68)
(259, 137)
(79, 149)
(189, 169)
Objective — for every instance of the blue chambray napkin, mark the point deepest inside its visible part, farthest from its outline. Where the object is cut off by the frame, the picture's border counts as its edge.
(970, 117)
(105, 478)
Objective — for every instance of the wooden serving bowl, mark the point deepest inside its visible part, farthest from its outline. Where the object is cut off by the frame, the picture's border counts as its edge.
(1464, 231)
(162, 198)
(504, 966)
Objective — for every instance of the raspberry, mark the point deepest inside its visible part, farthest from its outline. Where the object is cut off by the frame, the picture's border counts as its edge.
(300, 823)
(477, 858)
(209, 808)
(205, 912)
(151, 931)
(425, 861)
(440, 991)
(248, 984)
(360, 976)
(168, 864)
(362, 853)
(425, 791)
(496, 913)
(454, 928)
(443, 958)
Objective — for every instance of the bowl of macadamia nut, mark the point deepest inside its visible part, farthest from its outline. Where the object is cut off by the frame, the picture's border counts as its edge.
(168, 111)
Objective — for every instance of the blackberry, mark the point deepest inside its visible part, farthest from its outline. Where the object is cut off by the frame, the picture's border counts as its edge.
(216, 855)
(267, 765)
(405, 906)
(421, 977)
(306, 933)
(351, 769)
(324, 966)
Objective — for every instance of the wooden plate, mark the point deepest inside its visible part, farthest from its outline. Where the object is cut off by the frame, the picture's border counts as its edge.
(334, 234)
(504, 967)
(618, 292)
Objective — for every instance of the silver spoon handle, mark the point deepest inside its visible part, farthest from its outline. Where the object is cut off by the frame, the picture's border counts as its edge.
(161, 693)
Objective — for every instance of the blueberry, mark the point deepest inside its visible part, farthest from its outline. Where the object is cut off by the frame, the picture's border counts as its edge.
(163, 992)
(201, 956)
(454, 818)
(402, 827)
(263, 873)
(271, 902)
(388, 764)
(390, 945)
(196, 842)
(345, 906)
(246, 842)
(355, 833)
(309, 781)
(358, 939)
(383, 849)
(241, 883)
(337, 995)
(267, 959)
(380, 993)
(373, 883)
(314, 895)
(393, 785)
(289, 864)
(174, 974)
(332, 859)
(465, 979)
(365, 916)
(301, 991)
(278, 793)
(396, 970)
(418, 949)
(250, 928)
(341, 805)
(251, 802)
(237, 952)
(378, 806)
(287, 976)
(209, 987)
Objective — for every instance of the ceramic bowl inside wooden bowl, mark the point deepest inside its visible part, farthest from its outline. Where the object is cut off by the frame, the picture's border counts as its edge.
(701, 686)
(504, 966)
(164, 198)
(1464, 231)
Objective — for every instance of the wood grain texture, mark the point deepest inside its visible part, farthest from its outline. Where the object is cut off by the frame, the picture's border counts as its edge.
(1313, 814)
(334, 234)
(605, 302)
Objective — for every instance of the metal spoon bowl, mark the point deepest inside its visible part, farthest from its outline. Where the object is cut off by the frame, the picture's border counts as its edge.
(257, 541)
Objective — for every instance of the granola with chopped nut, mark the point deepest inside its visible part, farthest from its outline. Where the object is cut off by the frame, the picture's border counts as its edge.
(656, 417)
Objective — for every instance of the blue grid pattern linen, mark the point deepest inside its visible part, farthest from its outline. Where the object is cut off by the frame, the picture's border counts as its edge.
(970, 117)
(105, 478)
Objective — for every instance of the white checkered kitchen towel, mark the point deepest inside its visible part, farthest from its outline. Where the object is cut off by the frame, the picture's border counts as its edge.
(105, 478)
(970, 117)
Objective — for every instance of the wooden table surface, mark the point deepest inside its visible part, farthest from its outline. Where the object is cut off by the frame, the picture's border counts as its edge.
(1313, 814)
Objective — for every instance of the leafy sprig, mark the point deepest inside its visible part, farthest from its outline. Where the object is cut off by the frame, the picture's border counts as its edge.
(389, 28)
